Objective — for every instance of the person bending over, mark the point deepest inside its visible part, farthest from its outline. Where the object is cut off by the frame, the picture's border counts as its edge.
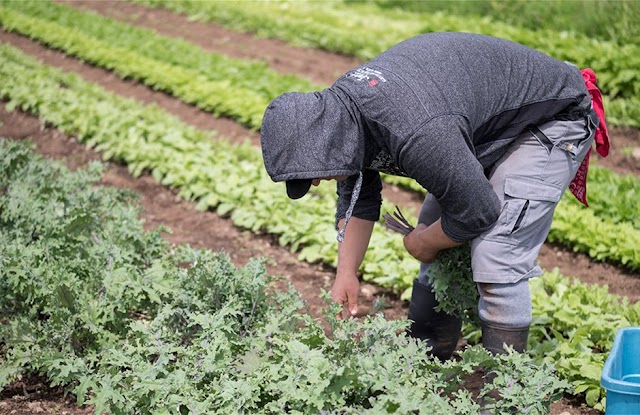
(493, 130)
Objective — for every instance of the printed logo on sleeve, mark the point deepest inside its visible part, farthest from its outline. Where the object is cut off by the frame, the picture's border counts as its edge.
(371, 76)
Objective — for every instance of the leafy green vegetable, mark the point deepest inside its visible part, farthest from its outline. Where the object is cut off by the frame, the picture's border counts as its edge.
(129, 324)
(149, 139)
(612, 21)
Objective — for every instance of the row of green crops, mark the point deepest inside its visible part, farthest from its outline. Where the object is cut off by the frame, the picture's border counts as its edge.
(573, 327)
(215, 83)
(611, 196)
(599, 235)
(131, 325)
(364, 30)
(182, 157)
(51, 23)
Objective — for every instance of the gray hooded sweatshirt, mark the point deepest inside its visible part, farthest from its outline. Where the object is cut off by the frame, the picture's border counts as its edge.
(440, 108)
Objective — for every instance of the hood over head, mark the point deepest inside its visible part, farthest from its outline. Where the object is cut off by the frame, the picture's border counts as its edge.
(307, 136)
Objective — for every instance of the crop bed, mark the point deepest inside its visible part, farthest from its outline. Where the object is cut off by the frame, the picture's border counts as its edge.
(308, 279)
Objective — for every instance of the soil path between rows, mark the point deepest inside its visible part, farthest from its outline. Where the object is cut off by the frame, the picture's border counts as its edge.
(619, 280)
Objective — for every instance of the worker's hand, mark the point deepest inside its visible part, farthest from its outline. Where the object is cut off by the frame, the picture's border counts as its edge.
(418, 244)
(345, 291)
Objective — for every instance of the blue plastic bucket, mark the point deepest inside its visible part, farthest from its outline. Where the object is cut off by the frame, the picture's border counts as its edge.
(621, 374)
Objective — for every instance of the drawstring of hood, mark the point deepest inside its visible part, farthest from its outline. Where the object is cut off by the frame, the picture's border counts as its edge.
(352, 203)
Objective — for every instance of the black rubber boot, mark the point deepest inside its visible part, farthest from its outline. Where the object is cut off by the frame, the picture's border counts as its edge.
(439, 330)
(494, 339)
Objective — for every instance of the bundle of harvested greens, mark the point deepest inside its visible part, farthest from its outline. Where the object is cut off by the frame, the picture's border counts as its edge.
(450, 274)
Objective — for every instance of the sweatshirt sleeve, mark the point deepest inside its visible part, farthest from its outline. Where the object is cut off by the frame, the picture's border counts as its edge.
(368, 205)
(439, 156)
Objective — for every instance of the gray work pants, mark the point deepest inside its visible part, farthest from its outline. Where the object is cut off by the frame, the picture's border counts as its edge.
(529, 180)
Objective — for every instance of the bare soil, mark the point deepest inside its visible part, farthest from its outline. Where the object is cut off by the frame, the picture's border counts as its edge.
(207, 230)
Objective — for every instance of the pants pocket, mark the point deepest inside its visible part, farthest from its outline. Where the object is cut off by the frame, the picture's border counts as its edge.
(508, 251)
(570, 137)
(527, 210)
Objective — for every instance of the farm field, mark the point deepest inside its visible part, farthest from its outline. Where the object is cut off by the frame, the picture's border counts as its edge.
(209, 230)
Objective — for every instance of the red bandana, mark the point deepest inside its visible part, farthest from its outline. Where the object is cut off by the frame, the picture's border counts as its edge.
(578, 185)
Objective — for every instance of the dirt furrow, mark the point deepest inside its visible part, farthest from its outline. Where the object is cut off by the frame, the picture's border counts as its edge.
(620, 281)
(320, 66)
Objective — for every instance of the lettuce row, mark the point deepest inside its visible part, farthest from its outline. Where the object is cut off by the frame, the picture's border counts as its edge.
(234, 88)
